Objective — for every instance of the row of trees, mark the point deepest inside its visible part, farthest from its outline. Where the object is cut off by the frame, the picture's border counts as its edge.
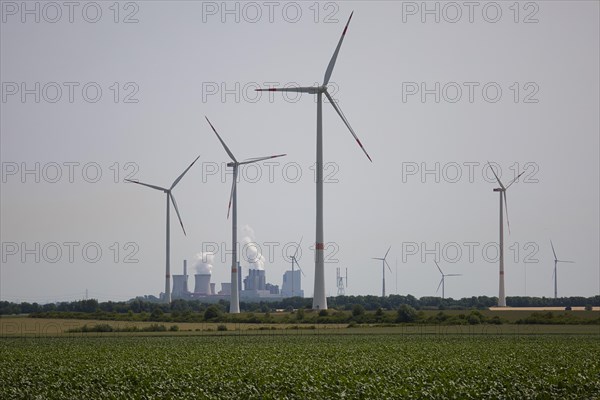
(369, 303)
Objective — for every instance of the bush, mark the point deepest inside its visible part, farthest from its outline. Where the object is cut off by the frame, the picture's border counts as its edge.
(212, 312)
(406, 314)
(174, 328)
(222, 328)
(154, 328)
(357, 310)
(323, 313)
(156, 315)
(589, 307)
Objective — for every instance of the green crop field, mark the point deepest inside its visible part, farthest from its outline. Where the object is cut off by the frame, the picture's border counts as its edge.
(387, 366)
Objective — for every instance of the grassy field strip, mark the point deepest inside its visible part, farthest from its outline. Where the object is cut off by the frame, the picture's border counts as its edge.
(35, 327)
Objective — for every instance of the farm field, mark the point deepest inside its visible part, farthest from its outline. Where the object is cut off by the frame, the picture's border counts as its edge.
(301, 367)
(39, 327)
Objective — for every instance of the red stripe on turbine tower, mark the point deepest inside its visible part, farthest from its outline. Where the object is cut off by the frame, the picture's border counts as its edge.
(320, 246)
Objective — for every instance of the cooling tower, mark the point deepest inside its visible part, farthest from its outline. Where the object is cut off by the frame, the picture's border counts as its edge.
(225, 289)
(179, 286)
(212, 288)
(202, 284)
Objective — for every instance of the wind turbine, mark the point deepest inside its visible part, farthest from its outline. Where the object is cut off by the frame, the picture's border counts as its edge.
(442, 281)
(295, 260)
(320, 299)
(234, 306)
(555, 274)
(383, 264)
(502, 191)
(168, 236)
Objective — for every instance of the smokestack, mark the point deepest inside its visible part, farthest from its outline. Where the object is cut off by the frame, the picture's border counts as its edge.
(185, 275)
(202, 284)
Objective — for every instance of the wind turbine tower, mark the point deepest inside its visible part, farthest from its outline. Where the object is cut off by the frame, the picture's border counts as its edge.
(443, 280)
(319, 298)
(234, 305)
(383, 265)
(502, 192)
(555, 274)
(170, 198)
(295, 261)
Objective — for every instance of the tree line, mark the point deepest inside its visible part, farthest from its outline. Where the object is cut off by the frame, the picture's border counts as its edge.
(369, 303)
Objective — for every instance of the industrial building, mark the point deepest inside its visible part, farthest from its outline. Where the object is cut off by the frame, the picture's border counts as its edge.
(255, 286)
(292, 284)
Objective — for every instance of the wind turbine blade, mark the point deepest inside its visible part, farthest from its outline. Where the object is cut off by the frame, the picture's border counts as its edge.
(377, 258)
(297, 248)
(305, 89)
(341, 114)
(453, 275)
(386, 253)
(438, 267)
(184, 172)
(233, 184)
(388, 265)
(494, 172)
(506, 209)
(570, 262)
(148, 185)
(555, 258)
(221, 140)
(177, 211)
(514, 180)
(257, 159)
(335, 53)
(438, 288)
(298, 265)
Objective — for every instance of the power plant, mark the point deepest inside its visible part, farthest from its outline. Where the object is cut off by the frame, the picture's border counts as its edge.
(255, 286)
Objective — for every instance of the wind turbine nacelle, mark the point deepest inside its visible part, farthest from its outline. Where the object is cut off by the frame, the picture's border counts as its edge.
(497, 190)
(231, 164)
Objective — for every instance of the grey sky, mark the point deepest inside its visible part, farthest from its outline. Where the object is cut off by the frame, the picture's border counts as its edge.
(176, 61)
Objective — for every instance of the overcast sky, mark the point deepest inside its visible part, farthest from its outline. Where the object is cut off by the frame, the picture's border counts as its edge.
(123, 91)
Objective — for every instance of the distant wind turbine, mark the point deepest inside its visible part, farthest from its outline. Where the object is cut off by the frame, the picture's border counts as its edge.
(383, 265)
(320, 299)
(295, 260)
(168, 236)
(234, 306)
(555, 274)
(443, 280)
(502, 191)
